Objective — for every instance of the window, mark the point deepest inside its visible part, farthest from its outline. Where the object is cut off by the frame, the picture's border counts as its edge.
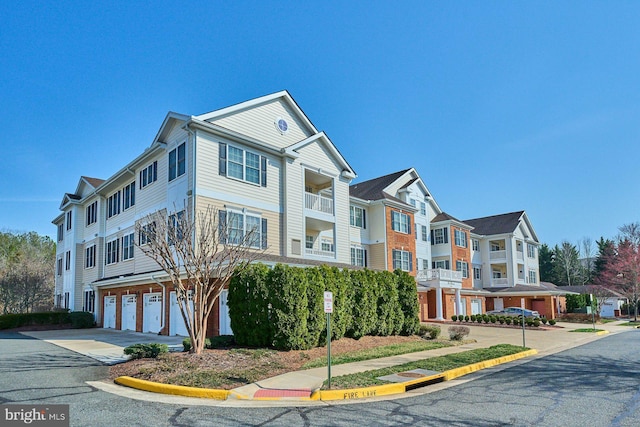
(112, 251)
(460, 238)
(92, 213)
(243, 229)
(531, 250)
(59, 267)
(90, 257)
(423, 208)
(127, 247)
(357, 217)
(60, 232)
(129, 193)
(113, 204)
(241, 164)
(69, 220)
(175, 227)
(412, 202)
(147, 233)
(308, 242)
(475, 244)
(326, 245)
(463, 267)
(177, 162)
(149, 174)
(424, 233)
(402, 260)
(442, 264)
(533, 277)
(66, 300)
(439, 236)
(67, 262)
(400, 222)
(358, 256)
(477, 273)
(89, 298)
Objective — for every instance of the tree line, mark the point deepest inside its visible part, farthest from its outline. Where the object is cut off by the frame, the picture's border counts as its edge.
(26, 272)
(609, 264)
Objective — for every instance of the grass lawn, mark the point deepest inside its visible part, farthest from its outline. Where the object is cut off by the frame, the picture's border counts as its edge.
(377, 353)
(587, 330)
(632, 323)
(440, 364)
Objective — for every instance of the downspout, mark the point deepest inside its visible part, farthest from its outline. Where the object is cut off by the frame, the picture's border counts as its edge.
(164, 302)
(192, 192)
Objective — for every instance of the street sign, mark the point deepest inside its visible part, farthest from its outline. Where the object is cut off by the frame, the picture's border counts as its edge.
(328, 302)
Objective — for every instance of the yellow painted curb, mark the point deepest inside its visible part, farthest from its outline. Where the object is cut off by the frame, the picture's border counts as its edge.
(361, 393)
(464, 370)
(602, 332)
(172, 389)
(421, 380)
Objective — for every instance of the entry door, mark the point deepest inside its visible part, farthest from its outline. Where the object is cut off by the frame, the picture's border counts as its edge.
(129, 312)
(176, 322)
(463, 307)
(498, 304)
(225, 320)
(152, 311)
(109, 312)
(476, 306)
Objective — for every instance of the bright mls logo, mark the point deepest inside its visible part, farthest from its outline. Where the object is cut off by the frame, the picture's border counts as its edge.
(35, 415)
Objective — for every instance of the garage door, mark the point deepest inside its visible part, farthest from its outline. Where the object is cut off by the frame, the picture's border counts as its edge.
(109, 312)
(225, 321)
(129, 312)
(176, 322)
(151, 313)
(476, 306)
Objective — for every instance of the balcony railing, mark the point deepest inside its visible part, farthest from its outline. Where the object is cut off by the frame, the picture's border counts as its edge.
(439, 274)
(497, 254)
(503, 281)
(520, 255)
(318, 203)
(317, 252)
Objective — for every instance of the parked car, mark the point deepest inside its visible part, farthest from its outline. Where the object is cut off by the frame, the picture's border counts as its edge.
(515, 311)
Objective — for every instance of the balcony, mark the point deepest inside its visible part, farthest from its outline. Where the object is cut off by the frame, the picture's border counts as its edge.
(320, 253)
(439, 274)
(500, 282)
(497, 255)
(318, 203)
(520, 255)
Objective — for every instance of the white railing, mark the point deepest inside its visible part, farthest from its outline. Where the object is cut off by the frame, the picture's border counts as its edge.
(520, 255)
(439, 274)
(318, 203)
(497, 254)
(316, 252)
(503, 281)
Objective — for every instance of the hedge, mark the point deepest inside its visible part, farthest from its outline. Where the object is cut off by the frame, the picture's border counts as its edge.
(77, 319)
(248, 302)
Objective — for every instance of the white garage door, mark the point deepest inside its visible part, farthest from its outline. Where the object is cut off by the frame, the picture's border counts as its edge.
(225, 321)
(109, 312)
(176, 322)
(151, 313)
(129, 312)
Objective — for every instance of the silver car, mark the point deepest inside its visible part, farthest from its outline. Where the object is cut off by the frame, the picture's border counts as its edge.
(515, 311)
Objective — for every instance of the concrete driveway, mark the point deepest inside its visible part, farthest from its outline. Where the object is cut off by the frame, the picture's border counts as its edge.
(104, 345)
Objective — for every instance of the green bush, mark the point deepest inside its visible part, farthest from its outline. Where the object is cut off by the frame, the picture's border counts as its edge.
(460, 317)
(432, 331)
(485, 318)
(81, 319)
(220, 341)
(364, 310)
(454, 317)
(186, 343)
(458, 333)
(466, 318)
(316, 317)
(146, 351)
(472, 318)
(507, 320)
(248, 301)
(501, 320)
(339, 282)
(408, 300)
(552, 322)
(390, 318)
(544, 320)
(492, 319)
(289, 308)
(77, 319)
(536, 323)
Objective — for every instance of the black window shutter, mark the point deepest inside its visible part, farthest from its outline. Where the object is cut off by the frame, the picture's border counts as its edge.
(447, 266)
(140, 180)
(155, 171)
(433, 264)
(446, 235)
(364, 218)
(264, 233)
(409, 227)
(222, 159)
(365, 258)
(222, 226)
(432, 239)
(416, 228)
(263, 171)
(410, 261)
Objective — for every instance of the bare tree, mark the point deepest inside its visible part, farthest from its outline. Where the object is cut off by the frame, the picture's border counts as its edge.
(587, 259)
(568, 264)
(601, 294)
(199, 255)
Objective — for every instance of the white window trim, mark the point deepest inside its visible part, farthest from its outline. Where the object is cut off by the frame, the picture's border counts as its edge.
(244, 165)
(460, 238)
(402, 222)
(257, 236)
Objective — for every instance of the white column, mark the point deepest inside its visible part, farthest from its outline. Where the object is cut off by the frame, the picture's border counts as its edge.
(439, 304)
(458, 302)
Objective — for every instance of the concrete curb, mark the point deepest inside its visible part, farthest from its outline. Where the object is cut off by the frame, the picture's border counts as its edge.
(326, 395)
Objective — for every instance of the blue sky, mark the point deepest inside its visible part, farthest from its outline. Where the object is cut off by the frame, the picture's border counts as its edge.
(500, 105)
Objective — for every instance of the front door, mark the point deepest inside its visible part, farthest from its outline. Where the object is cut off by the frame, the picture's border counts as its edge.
(476, 306)
(498, 304)
(129, 312)
(109, 312)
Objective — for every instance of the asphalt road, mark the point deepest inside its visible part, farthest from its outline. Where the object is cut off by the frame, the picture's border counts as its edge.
(597, 384)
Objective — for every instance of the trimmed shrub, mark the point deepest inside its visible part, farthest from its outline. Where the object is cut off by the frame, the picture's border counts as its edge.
(316, 317)
(507, 320)
(454, 317)
(220, 341)
(544, 320)
(479, 318)
(408, 300)
(364, 309)
(472, 318)
(458, 333)
(186, 343)
(289, 307)
(430, 331)
(536, 323)
(501, 320)
(81, 319)
(249, 299)
(466, 318)
(146, 351)
(339, 282)
(390, 318)
(460, 317)
(492, 319)
(552, 322)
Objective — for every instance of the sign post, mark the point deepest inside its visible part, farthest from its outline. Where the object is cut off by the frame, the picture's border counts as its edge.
(328, 308)
(593, 312)
(522, 305)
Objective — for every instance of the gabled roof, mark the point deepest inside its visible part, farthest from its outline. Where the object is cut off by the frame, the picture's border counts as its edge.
(496, 224)
(589, 289)
(373, 189)
(446, 217)
(323, 139)
(94, 182)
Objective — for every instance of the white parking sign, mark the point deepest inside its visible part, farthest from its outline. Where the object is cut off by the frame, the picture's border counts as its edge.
(328, 302)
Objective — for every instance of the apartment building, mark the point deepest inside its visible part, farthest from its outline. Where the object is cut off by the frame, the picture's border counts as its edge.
(261, 163)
